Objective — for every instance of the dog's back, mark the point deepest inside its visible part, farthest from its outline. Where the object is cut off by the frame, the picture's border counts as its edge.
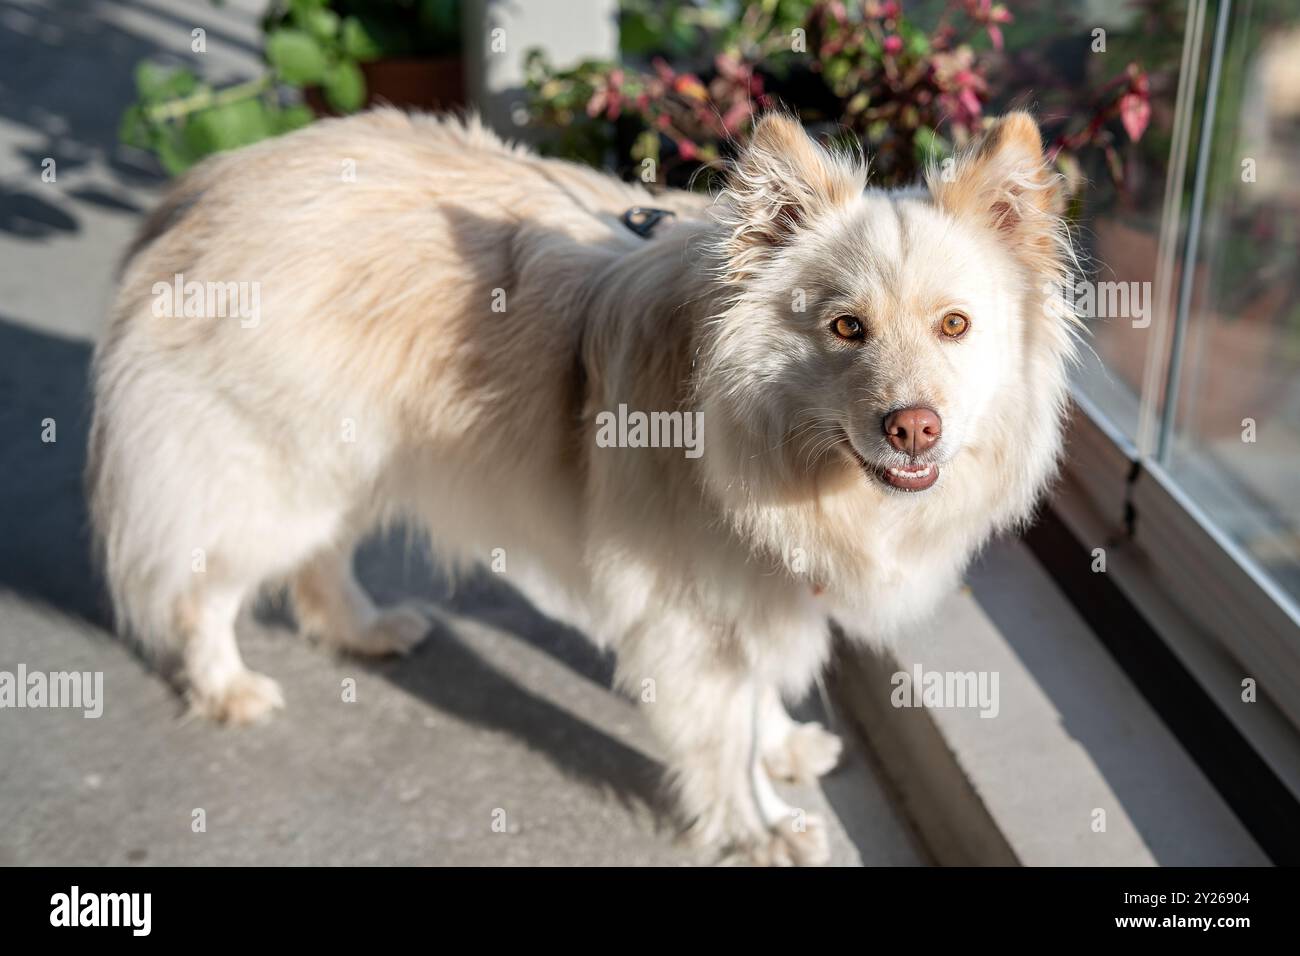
(300, 316)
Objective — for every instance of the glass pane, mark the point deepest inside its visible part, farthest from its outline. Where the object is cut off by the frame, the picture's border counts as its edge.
(1078, 63)
(1236, 443)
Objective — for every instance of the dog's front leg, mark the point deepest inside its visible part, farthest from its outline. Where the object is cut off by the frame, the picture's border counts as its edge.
(790, 750)
(706, 716)
(795, 838)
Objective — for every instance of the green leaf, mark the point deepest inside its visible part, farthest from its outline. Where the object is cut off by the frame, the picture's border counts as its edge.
(358, 43)
(174, 154)
(155, 82)
(535, 63)
(227, 127)
(684, 37)
(296, 57)
(291, 118)
(133, 130)
(322, 24)
(635, 35)
(345, 87)
(150, 79)
(836, 70)
(646, 146)
(441, 18)
(929, 146)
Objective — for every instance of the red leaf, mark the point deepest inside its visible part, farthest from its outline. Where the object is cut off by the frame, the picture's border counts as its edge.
(1135, 113)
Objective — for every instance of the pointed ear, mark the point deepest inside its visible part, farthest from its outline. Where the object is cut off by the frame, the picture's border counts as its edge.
(782, 183)
(1005, 183)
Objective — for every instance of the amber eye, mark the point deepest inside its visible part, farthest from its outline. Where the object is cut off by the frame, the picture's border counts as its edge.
(847, 327)
(954, 325)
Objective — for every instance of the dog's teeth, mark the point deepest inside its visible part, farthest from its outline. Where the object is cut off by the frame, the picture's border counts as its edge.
(913, 473)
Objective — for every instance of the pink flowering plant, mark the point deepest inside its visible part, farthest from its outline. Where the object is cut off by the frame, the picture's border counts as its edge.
(865, 73)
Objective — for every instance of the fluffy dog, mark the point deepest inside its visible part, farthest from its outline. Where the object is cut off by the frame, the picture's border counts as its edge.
(444, 324)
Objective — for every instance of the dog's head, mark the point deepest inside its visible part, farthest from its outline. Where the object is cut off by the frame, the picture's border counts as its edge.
(885, 333)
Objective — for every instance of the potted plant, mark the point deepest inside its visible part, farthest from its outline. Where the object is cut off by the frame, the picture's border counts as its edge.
(863, 74)
(324, 57)
(408, 51)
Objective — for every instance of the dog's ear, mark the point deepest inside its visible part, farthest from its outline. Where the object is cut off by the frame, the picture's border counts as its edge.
(781, 183)
(1005, 183)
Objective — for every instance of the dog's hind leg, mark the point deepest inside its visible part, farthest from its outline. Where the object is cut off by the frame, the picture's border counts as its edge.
(333, 608)
(791, 750)
(220, 686)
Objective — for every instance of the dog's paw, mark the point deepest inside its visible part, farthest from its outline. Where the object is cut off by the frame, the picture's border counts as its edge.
(809, 751)
(395, 631)
(800, 841)
(246, 698)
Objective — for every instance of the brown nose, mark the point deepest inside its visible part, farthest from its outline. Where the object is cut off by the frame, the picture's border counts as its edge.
(913, 430)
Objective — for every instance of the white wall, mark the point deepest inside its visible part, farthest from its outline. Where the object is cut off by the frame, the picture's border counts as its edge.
(569, 30)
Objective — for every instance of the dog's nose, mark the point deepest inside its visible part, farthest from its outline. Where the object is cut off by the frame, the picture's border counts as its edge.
(913, 430)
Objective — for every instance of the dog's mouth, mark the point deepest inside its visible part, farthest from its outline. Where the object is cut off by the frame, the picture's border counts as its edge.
(914, 476)
(910, 477)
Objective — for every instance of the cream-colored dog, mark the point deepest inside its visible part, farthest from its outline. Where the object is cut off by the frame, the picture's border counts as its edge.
(801, 400)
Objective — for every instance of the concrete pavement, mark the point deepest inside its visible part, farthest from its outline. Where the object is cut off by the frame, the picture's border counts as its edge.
(502, 717)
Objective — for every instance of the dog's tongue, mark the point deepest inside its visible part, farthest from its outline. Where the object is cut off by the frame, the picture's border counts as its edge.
(911, 477)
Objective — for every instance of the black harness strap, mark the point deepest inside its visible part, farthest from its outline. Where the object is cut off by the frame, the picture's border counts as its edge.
(643, 219)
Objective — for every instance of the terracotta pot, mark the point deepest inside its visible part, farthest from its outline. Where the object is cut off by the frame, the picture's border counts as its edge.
(408, 82)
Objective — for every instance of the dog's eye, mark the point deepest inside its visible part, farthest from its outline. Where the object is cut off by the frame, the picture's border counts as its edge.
(954, 325)
(849, 328)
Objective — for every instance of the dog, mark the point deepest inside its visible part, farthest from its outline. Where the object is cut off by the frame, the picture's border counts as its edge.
(445, 324)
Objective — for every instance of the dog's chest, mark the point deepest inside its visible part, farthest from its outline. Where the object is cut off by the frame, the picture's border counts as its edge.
(902, 581)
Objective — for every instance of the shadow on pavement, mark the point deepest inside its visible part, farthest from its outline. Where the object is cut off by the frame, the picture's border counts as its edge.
(28, 216)
(45, 557)
(67, 70)
(45, 547)
(448, 673)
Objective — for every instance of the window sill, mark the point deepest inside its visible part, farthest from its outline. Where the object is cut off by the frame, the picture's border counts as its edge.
(1072, 737)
